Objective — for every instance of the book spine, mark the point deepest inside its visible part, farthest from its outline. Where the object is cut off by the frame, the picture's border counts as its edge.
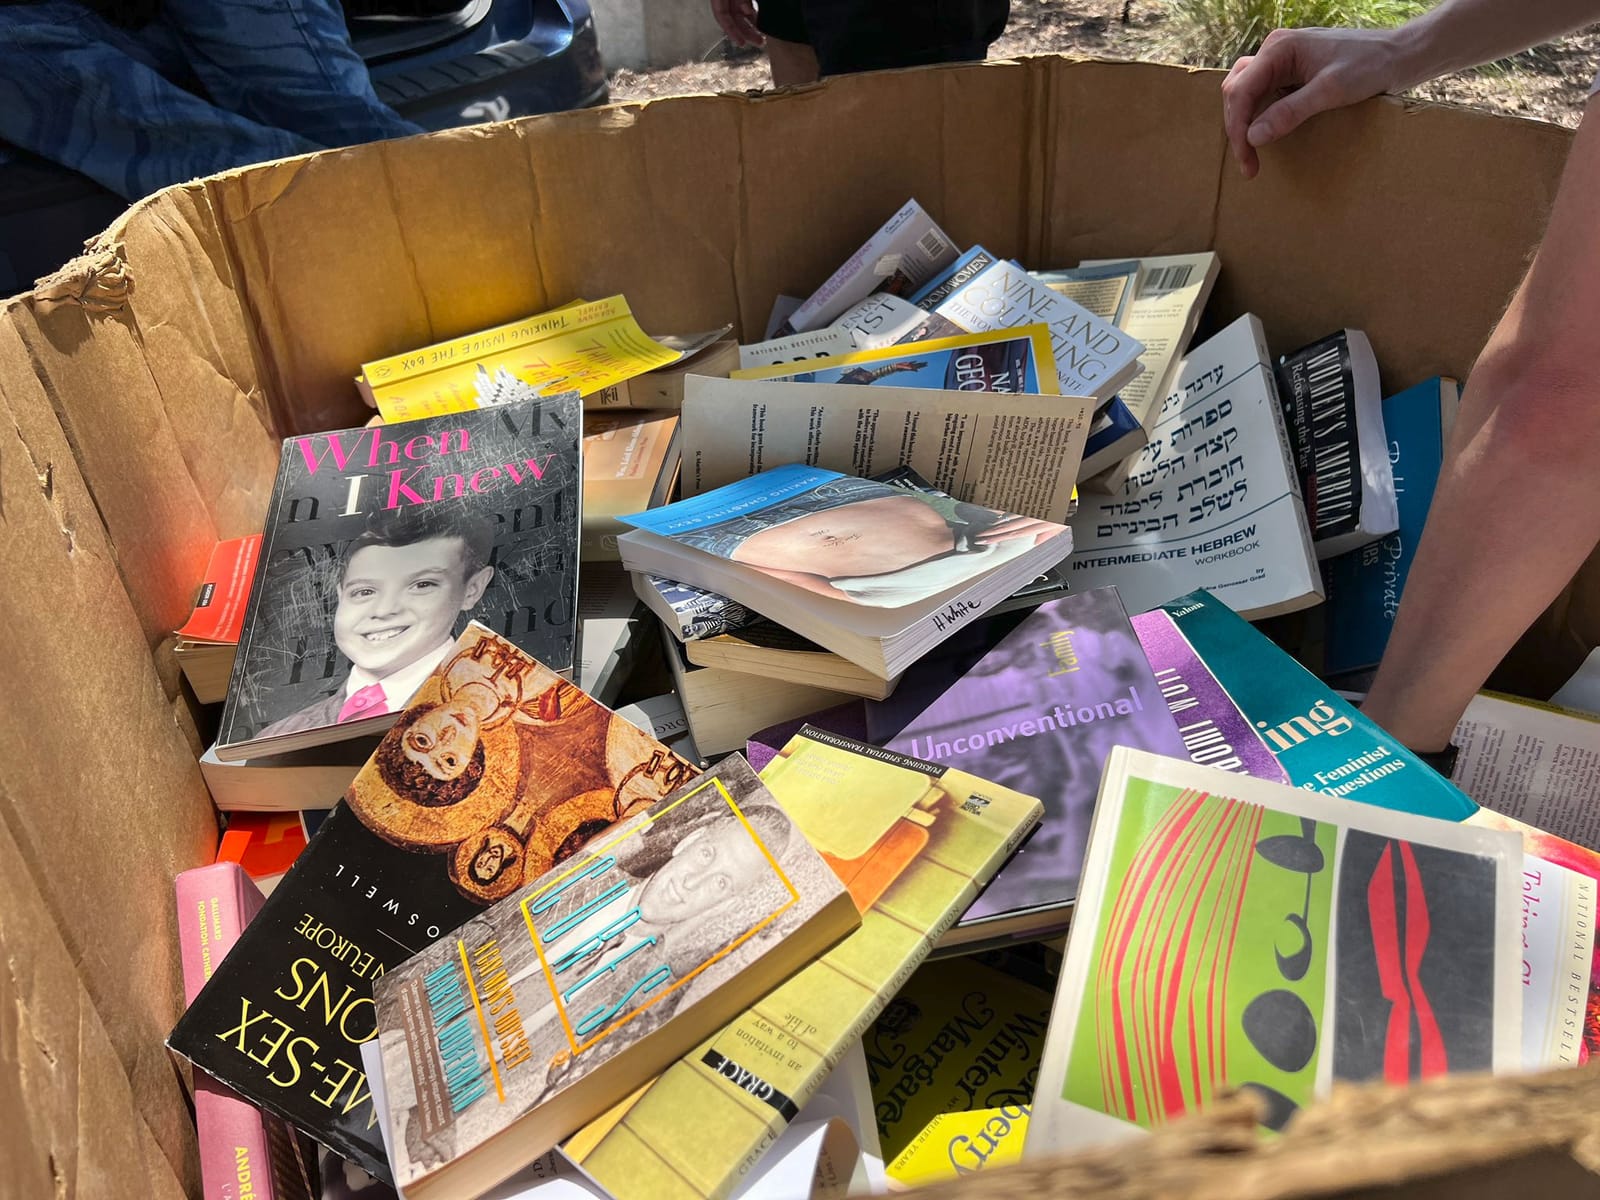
(214, 905)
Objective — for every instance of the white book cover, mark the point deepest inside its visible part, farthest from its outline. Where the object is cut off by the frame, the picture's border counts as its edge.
(1213, 502)
(1233, 933)
(880, 320)
(1094, 357)
(906, 251)
(797, 347)
(1558, 911)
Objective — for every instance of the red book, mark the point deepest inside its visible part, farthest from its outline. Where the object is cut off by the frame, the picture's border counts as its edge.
(219, 609)
(243, 1152)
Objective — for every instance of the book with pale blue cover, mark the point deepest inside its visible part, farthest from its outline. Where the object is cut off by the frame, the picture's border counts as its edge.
(1364, 586)
(1324, 743)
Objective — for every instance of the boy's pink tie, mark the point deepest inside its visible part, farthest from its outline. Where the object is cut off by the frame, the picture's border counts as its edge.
(367, 702)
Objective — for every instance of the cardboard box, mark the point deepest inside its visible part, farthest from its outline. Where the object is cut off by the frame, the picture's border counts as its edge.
(146, 386)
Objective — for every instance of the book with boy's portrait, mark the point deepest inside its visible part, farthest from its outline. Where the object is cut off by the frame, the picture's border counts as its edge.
(381, 543)
(498, 772)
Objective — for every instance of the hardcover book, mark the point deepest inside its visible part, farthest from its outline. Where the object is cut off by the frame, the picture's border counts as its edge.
(1286, 939)
(1040, 710)
(914, 844)
(497, 772)
(1020, 360)
(242, 1150)
(1334, 409)
(876, 573)
(1364, 586)
(542, 1012)
(381, 543)
(1215, 501)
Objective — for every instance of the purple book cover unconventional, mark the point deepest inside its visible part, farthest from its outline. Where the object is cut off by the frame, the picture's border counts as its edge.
(1214, 731)
(1039, 712)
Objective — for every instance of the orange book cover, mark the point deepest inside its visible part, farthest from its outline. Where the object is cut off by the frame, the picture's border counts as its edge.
(219, 608)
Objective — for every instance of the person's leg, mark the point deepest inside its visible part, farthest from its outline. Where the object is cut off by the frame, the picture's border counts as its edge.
(284, 63)
(82, 93)
(791, 62)
(788, 42)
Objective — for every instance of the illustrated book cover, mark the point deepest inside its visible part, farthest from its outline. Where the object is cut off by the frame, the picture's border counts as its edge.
(1364, 586)
(1334, 409)
(876, 573)
(498, 771)
(1214, 502)
(540, 1013)
(1234, 933)
(1038, 711)
(381, 544)
(915, 843)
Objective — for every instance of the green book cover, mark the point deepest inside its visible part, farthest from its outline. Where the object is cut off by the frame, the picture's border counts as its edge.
(914, 842)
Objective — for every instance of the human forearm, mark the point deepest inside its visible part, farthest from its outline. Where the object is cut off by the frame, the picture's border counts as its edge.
(1466, 33)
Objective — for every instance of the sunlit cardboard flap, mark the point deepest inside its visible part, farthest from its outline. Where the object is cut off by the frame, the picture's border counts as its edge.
(147, 384)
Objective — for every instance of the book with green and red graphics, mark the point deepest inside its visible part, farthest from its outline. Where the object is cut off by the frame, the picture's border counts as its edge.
(1237, 934)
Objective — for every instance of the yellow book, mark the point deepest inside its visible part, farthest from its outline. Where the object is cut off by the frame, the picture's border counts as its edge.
(584, 347)
(914, 843)
(958, 1143)
(1016, 360)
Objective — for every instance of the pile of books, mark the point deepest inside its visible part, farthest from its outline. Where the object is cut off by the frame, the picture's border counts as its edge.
(666, 767)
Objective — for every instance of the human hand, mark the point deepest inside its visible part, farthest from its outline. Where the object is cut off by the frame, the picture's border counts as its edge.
(1297, 74)
(1014, 527)
(738, 21)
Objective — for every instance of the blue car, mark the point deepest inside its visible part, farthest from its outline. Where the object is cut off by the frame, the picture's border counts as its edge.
(440, 63)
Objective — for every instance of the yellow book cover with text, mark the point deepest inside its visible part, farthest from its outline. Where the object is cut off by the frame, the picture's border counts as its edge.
(914, 842)
(583, 347)
(957, 1143)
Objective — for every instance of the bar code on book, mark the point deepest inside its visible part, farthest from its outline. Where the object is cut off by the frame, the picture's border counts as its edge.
(1166, 279)
(931, 244)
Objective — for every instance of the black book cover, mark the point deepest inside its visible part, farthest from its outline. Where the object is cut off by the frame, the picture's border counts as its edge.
(381, 543)
(1316, 386)
(498, 770)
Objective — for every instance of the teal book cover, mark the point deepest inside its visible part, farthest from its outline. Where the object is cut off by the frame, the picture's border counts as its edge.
(1321, 741)
(1364, 586)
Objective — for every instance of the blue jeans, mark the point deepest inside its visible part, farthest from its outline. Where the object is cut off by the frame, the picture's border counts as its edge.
(208, 85)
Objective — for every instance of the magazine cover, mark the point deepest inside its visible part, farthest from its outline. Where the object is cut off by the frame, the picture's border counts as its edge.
(381, 544)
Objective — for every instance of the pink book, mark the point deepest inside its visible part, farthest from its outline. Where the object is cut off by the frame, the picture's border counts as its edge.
(243, 1152)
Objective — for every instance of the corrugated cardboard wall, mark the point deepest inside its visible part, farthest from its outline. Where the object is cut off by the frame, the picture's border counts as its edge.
(144, 405)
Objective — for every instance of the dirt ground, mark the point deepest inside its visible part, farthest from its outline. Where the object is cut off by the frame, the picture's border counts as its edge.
(1548, 83)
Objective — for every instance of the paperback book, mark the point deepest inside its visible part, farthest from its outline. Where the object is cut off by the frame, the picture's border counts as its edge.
(876, 573)
(596, 975)
(1395, 960)
(1093, 357)
(1215, 501)
(897, 259)
(1040, 709)
(1334, 409)
(690, 613)
(381, 544)
(1364, 586)
(498, 771)
(583, 347)
(630, 461)
(1168, 299)
(973, 362)
(914, 845)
